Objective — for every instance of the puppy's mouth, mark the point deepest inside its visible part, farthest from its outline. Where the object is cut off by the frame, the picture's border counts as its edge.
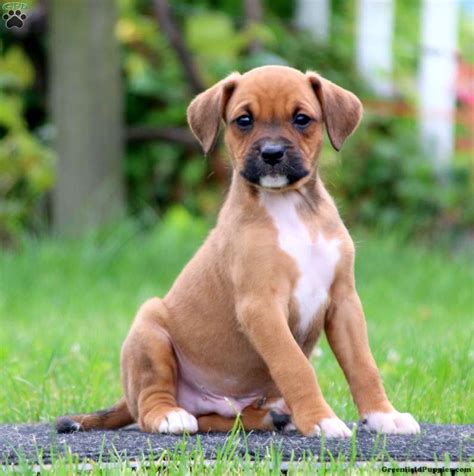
(279, 176)
(274, 181)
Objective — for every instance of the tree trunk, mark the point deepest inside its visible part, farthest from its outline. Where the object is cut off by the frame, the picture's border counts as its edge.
(253, 11)
(86, 106)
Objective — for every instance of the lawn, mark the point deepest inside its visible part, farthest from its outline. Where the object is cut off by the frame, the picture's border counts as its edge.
(66, 306)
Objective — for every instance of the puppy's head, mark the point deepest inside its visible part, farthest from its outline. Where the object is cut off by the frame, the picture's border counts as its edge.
(275, 118)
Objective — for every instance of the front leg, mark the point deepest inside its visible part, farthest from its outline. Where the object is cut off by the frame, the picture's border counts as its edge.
(346, 331)
(264, 322)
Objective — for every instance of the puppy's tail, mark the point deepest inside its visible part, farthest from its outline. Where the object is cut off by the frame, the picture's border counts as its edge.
(109, 419)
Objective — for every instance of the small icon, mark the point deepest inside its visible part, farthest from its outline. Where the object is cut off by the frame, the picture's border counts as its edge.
(14, 18)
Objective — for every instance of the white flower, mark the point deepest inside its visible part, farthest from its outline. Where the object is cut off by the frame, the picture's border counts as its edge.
(76, 348)
(393, 356)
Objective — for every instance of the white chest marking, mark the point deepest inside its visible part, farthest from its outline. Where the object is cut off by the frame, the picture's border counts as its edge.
(316, 259)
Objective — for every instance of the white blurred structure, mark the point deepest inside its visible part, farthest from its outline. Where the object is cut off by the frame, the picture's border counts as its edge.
(313, 16)
(437, 78)
(374, 58)
(374, 44)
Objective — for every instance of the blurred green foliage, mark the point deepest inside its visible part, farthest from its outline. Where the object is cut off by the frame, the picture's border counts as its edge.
(26, 165)
(379, 178)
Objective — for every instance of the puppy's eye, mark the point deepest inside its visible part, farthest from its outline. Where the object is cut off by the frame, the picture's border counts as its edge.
(301, 121)
(245, 121)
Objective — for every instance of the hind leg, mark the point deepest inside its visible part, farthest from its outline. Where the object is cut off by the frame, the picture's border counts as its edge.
(268, 416)
(149, 374)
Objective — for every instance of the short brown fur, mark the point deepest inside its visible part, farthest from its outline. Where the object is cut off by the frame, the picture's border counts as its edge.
(231, 310)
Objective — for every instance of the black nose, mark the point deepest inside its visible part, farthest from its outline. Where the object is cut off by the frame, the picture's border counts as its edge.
(272, 153)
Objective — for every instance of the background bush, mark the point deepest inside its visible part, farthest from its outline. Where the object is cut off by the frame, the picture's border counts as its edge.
(379, 179)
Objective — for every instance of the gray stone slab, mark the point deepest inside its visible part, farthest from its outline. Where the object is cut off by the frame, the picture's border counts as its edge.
(435, 443)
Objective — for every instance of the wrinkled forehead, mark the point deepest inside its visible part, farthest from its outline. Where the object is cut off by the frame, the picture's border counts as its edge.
(272, 95)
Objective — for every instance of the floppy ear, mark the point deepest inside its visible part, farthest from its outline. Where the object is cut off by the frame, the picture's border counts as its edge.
(208, 108)
(342, 110)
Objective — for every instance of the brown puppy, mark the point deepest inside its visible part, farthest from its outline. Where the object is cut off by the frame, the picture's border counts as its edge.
(234, 333)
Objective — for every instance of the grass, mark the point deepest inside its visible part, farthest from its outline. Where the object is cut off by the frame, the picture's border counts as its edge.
(65, 308)
(185, 459)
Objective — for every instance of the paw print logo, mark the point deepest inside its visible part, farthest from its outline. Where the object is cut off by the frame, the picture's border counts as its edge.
(14, 18)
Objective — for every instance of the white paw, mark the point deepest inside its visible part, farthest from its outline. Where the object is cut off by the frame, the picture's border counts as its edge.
(332, 428)
(392, 422)
(289, 427)
(178, 422)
